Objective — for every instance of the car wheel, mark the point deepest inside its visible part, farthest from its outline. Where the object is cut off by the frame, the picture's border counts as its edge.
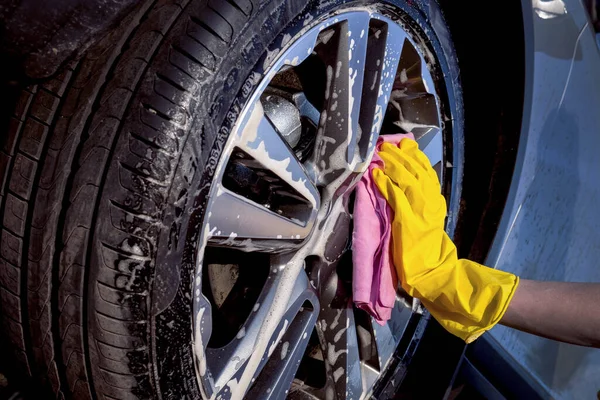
(177, 205)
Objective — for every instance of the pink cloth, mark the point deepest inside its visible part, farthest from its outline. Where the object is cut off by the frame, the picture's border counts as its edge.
(374, 276)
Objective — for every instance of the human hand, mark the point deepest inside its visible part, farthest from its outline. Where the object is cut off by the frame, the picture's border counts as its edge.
(412, 189)
(465, 297)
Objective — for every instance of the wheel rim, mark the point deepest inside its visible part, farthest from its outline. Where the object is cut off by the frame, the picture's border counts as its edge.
(279, 215)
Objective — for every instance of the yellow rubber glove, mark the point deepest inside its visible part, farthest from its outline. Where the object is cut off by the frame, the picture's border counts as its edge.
(467, 298)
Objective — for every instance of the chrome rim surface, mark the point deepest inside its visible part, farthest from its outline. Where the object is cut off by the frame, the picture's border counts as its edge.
(272, 311)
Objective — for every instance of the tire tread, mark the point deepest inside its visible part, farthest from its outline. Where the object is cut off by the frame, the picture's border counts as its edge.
(85, 172)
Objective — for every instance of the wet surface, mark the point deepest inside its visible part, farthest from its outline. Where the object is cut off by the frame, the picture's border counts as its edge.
(549, 229)
(288, 314)
(343, 147)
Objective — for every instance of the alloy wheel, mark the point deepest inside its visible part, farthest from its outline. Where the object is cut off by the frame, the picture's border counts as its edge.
(272, 297)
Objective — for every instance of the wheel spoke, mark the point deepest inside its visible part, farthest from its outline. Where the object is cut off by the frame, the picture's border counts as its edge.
(380, 344)
(341, 352)
(281, 372)
(399, 319)
(235, 217)
(385, 342)
(415, 111)
(431, 143)
(337, 332)
(277, 375)
(229, 362)
(338, 133)
(386, 42)
(414, 104)
(358, 37)
(264, 182)
(355, 103)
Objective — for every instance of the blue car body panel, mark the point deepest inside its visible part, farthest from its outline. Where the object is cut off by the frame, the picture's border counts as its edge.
(550, 229)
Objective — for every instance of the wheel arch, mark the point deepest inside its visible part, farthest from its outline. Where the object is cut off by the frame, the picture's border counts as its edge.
(496, 101)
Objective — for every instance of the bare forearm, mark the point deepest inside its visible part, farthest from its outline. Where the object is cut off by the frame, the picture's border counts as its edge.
(564, 311)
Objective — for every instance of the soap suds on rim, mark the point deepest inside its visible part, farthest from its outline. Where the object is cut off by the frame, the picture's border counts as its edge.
(338, 160)
(284, 349)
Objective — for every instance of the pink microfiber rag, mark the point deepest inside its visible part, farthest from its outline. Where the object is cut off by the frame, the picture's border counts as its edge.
(374, 276)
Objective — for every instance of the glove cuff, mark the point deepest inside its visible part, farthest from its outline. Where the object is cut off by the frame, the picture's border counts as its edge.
(473, 300)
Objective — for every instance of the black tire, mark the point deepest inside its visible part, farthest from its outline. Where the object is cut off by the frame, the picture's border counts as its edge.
(105, 175)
